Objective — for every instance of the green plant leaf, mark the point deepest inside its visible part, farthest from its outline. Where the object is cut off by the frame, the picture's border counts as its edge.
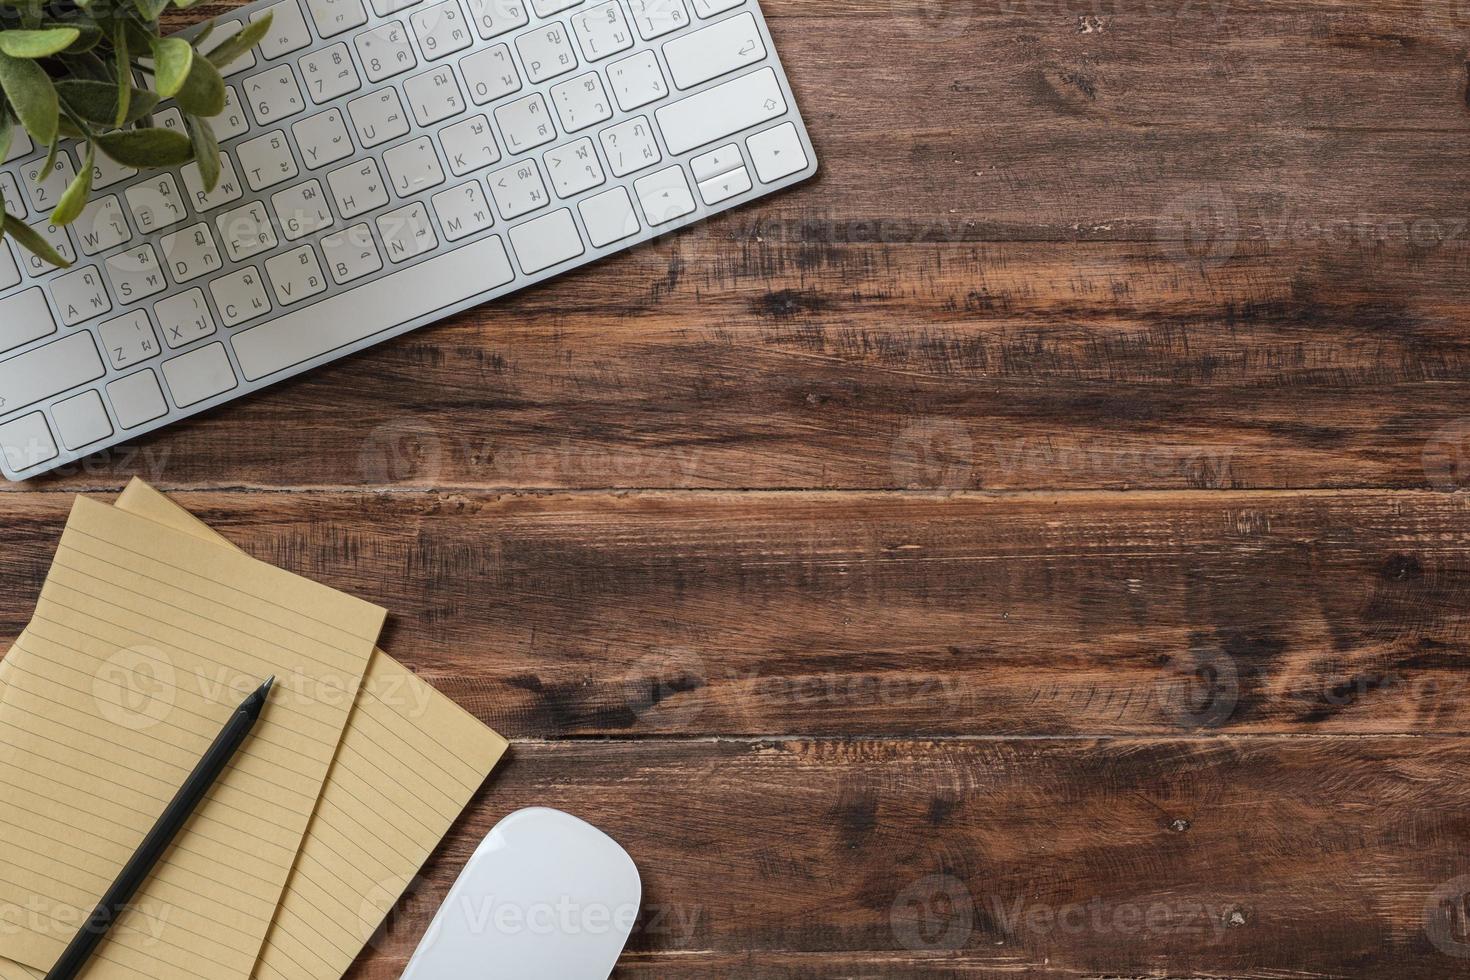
(203, 92)
(32, 242)
(69, 208)
(96, 102)
(146, 147)
(206, 151)
(31, 95)
(89, 35)
(172, 59)
(232, 48)
(124, 73)
(7, 132)
(151, 10)
(38, 44)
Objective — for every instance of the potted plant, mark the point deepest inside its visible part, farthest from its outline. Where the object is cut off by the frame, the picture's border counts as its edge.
(95, 71)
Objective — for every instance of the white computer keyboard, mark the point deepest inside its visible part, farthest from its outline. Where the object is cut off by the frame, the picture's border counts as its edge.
(386, 163)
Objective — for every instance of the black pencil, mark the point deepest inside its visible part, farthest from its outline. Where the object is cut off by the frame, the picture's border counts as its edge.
(151, 851)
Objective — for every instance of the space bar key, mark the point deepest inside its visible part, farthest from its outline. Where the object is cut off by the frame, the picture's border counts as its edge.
(363, 311)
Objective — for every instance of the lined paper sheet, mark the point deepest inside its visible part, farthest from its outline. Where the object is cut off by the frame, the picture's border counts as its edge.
(409, 763)
(144, 640)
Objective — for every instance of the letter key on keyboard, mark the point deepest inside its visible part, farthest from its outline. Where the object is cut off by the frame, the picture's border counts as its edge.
(384, 164)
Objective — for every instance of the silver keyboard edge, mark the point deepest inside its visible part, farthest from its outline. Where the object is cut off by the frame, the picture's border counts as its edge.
(501, 227)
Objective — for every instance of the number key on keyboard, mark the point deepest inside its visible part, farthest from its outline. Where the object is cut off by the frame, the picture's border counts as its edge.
(46, 192)
(441, 30)
(329, 73)
(274, 95)
(494, 17)
(545, 8)
(385, 51)
(10, 195)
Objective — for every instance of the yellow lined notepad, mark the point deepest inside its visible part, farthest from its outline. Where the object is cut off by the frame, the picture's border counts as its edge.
(409, 763)
(90, 768)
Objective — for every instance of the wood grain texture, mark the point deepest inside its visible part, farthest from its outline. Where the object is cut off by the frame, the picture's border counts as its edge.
(794, 550)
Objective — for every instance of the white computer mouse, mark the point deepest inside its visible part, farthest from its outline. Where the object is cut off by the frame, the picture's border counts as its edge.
(545, 897)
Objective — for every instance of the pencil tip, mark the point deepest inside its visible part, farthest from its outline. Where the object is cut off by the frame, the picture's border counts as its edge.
(270, 682)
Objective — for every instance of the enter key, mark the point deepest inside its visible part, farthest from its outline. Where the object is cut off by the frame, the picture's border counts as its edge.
(714, 51)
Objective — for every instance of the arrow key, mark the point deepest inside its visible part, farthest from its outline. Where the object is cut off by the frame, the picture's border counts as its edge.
(777, 153)
(722, 188)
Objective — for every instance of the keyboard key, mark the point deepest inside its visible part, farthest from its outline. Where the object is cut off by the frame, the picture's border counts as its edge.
(630, 146)
(27, 442)
(414, 167)
(351, 254)
(494, 17)
(135, 274)
(463, 211)
(106, 172)
(240, 296)
(434, 96)
(24, 317)
(288, 31)
(102, 226)
(191, 253)
(609, 217)
(716, 163)
(9, 268)
(322, 139)
(545, 8)
(81, 420)
(48, 371)
(246, 231)
(199, 375)
(267, 160)
(655, 18)
(722, 111)
(546, 52)
(664, 196)
(525, 124)
(722, 188)
(225, 192)
(378, 118)
(80, 295)
(407, 232)
(137, 399)
(602, 31)
(156, 203)
(184, 318)
(301, 210)
(58, 239)
(170, 119)
(296, 275)
(10, 194)
(232, 122)
(45, 193)
(223, 31)
(333, 17)
(717, 50)
(20, 145)
(491, 74)
(546, 241)
(128, 339)
(385, 51)
(358, 188)
(581, 102)
(274, 95)
(708, 8)
(469, 145)
(380, 304)
(574, 168)
(330, 73)
(518, 190)
(387, 8)
(441, 30)
(777, 153)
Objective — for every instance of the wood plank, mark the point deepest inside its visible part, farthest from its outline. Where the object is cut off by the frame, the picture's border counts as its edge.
(882, 614)
(708, 364)
(1247, 858)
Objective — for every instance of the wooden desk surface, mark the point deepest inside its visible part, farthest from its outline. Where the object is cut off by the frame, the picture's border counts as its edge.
(1024, 551)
